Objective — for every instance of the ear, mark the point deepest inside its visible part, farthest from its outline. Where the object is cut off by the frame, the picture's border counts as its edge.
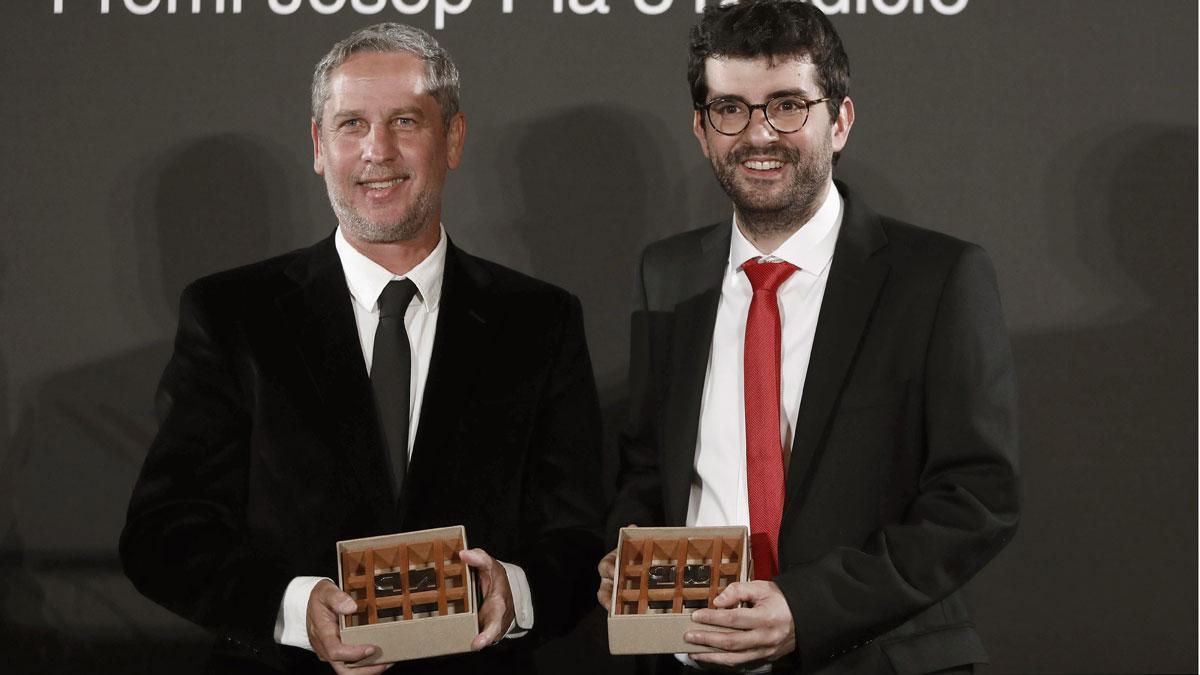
(840, 129)
(699, 131)
(318, 157)
(456, 136)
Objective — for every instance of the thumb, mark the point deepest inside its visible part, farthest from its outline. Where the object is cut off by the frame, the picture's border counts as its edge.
(345, 605)
(480, 562)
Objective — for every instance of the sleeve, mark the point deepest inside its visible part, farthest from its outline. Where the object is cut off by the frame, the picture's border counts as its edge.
(185, 543)
(966, 505)
(518, 584)
(562, 499)
(291, 626)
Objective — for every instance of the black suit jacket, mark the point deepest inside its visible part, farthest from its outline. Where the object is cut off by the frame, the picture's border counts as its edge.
(902, 478)
(269, 449)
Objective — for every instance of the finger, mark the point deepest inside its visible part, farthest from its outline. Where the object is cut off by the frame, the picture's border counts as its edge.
(740, 618)
(480, 560)
(339, 652)
(490, 633)
(608, 565)
(733, 641)
(343, 604)
(729, 659)
(335, 599)
(742, 591)
(604, 595)
(476, 557)
(485, 568)
(327, 641)
(343, 669)
(486, 638)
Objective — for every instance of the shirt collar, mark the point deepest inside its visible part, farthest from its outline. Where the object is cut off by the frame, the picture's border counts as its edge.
(810, 247)
(366, 278)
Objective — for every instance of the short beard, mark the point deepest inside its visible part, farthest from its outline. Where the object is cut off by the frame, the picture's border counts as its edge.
(761, 215)
(411, 224)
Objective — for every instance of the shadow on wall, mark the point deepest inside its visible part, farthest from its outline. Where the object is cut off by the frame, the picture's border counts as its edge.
(583, 190)
(590, 187)
(210, 204)
(875, 188)
(1106, 557)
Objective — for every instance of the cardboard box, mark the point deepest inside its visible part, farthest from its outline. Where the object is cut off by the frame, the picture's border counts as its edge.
(665, 573)
(416, 598)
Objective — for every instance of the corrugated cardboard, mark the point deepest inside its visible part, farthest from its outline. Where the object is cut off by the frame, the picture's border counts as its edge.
(419, 637)
(663, 633)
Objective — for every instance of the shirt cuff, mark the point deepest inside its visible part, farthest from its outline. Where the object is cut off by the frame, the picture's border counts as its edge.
(522, 601)
(291, 624)
(687, 660)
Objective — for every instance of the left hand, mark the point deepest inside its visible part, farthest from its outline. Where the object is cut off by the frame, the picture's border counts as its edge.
(763, 631)
(496, 613)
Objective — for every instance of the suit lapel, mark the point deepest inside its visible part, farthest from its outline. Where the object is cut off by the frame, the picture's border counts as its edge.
(855, 280)
(465, 326)
(319, 311)
(691, 340)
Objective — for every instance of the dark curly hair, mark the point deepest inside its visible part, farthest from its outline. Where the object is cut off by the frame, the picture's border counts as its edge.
(770, 28)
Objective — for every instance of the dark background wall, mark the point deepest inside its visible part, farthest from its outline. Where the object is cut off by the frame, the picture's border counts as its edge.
(140, 152)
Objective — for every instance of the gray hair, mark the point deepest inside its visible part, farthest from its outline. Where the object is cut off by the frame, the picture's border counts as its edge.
(441, 75)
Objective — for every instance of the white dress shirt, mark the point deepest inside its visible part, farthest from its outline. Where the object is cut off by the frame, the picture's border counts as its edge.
(366, 280)
(719, 492)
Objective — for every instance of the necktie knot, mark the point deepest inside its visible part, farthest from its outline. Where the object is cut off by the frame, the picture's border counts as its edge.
(767, 276)
(396, 296)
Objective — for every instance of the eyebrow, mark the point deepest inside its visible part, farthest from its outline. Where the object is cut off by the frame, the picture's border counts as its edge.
(412, 111)
(798, 91)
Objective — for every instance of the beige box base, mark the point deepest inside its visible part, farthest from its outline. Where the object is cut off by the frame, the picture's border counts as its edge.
(663, 633)
(420, 637)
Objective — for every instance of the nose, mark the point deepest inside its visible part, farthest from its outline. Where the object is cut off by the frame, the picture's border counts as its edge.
(379, 145)
(760, 130)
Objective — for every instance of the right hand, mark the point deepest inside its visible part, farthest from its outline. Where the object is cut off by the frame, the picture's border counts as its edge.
(608, 570)
(325, 604)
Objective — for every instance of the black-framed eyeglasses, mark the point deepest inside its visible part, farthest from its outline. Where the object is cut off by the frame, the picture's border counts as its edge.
(786, 114)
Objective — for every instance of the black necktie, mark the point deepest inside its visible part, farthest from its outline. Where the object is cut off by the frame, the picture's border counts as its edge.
(391, 373)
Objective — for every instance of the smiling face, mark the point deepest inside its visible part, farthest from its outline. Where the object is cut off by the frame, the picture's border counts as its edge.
(776, 181)
(383, 149)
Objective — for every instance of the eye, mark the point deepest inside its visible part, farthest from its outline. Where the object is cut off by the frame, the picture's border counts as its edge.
(730, 107)
(404, 122)
(789, 105)
(351, 124)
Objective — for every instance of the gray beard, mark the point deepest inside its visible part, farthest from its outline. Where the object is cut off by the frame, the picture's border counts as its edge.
(362, 229)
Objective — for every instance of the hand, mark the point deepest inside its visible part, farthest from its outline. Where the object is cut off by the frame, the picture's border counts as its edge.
(608, 570)
(764, 630)
(325, 604)
(496, 613)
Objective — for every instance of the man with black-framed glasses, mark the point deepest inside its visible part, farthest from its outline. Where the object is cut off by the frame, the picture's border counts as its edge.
(836, 380)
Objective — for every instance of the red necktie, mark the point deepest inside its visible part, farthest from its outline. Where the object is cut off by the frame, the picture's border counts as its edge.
(764, 447)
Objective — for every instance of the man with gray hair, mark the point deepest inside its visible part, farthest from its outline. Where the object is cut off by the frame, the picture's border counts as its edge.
(382, 380)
